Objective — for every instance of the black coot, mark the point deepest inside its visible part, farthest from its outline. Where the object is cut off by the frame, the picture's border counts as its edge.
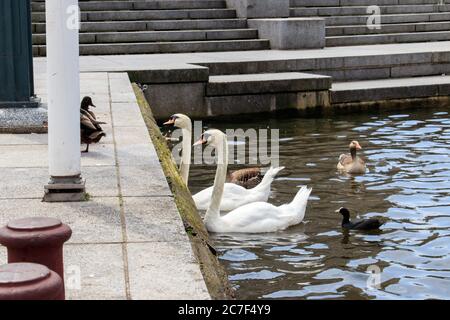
(366, 224)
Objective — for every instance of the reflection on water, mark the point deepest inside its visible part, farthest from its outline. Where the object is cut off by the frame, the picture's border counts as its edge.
(408, 184)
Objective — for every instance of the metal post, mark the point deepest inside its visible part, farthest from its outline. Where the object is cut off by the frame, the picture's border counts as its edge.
(29, 281)
(38, 240)
(63, 85)
(16, 58)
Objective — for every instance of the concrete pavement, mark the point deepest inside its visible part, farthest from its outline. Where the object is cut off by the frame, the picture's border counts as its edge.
(128, 240)
(185, 60)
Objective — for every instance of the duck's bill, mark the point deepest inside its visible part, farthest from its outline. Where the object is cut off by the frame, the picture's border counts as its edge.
(337, 211)
(199, 142)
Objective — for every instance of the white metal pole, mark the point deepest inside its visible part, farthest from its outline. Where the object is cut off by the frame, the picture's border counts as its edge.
(63, 88)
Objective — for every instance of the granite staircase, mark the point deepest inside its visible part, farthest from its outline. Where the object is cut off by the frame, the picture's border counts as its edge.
(154, 26)
(402, 21)
(391, 76)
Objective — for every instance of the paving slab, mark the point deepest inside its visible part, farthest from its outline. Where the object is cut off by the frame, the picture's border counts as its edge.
(17, 183)
(153, 219)
(95, 221)
(94, 272)
(26, 183)
(159, 283)
(23, 156)
(24, 139)
(128, 136)
(138, 154)
(126, 114)
(99, 155)
(134, 181)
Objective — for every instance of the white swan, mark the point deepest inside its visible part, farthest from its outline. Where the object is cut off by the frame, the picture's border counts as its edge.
(185, 124)
(256, 217)
(234, 195)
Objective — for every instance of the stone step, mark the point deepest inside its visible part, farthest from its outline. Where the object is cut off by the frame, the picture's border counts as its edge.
(387, 38)
(390, 89)
(388, 18)
(39, 6)
(127, 15)
(256, 93)
(158, 36)
(335, 3)
(351, 63)
(388, 28)
(357, 10)
(154, 26)
(115, 26)
(166, 47)
(244, 84)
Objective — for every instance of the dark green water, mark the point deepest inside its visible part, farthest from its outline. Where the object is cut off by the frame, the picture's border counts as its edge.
(408, 184)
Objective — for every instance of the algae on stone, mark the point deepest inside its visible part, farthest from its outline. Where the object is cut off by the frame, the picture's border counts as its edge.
(213, 272)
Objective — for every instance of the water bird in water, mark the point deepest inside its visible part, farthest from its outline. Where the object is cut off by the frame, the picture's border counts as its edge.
(366, 224)
(256, 217)
(350, 162)
(185, 124)
(247, 178)
(235, 196)
(90, 129)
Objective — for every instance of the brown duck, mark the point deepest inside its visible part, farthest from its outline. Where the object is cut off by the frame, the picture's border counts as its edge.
(90, 129)
(350, 162)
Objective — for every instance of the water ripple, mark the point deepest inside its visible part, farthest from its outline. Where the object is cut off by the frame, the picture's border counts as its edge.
(408, 185)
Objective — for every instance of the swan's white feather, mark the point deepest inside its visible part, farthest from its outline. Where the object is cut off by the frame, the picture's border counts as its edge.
(235, 196)
(259, 217)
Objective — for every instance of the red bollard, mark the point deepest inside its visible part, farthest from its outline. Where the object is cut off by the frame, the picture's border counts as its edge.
(29, 281)
(36, 240)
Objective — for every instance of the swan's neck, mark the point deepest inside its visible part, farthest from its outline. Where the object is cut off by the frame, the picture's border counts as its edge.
(186, 153)
(266, 182)
(213, 212)
(353, 153)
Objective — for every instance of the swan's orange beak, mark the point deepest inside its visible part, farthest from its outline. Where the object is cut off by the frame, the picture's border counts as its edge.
(200, 141)
(169, 122)
(358, 146)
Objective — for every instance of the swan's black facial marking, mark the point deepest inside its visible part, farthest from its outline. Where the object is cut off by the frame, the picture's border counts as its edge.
(171, 120)
(203, 139)
(207, 137)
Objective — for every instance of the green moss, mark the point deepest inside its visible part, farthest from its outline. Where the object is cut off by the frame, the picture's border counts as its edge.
(87, 196)
(213, 272)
